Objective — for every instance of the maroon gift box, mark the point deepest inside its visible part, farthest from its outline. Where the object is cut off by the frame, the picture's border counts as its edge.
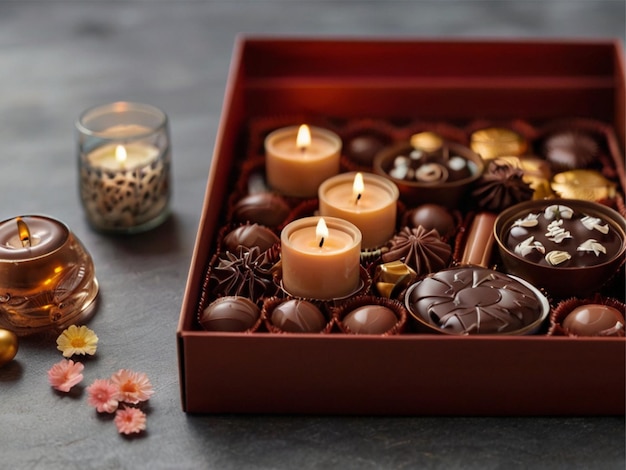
(409, 374)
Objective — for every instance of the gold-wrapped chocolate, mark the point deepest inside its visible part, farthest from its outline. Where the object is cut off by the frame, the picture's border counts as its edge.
(589, 185)
(495, 142)
(426, 141)
(391, 278)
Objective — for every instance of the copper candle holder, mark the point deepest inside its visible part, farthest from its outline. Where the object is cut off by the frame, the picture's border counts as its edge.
(47, 277)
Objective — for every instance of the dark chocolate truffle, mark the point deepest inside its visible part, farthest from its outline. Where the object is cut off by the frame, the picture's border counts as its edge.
(262, 208)
(246, 272)
(501, 186)
(594, 320)
(475, 300)
(569, 149)
(432, 216)
(250, 235)
(370, 320)
(363, 148)
(420, 249)
(298, 316)
(229, 314)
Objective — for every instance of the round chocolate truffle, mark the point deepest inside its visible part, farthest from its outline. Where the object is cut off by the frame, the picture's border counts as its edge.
(569, 149)
(432, 216)
(594, 320)
(475, 300)
(230, 314)
(298, 316)
(250, 235)
(262, 208)
(363, 148)
(370, 320)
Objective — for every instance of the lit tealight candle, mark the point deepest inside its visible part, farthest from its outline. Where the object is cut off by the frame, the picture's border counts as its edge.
(124, 161)
(320, 258)
(299, 159)
(368, 201)
(46, 275)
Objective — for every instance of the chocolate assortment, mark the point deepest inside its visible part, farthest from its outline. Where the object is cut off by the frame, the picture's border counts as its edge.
(438, 270)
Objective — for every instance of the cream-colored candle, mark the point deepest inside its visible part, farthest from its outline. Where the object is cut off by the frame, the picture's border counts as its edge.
(320, 258)
(299, 159)
(368, 201)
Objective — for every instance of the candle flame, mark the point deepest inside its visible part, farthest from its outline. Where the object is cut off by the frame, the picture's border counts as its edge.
(321, 231)
(358, 187)
(23, 232)
(120, 154)
(303, 139)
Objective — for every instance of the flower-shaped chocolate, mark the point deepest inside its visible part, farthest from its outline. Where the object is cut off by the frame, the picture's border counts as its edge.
(501, 186)
(473, 300)
(247, 273)
(420, 249)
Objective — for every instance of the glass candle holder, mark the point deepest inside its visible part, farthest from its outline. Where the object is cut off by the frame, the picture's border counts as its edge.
(47, 277)
(124, 161)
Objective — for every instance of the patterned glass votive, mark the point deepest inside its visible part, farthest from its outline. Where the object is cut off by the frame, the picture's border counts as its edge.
(124, 160)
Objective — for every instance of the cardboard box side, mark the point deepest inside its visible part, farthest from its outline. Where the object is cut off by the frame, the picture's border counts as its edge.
(341, 57)
(423, 375)
(215, 194)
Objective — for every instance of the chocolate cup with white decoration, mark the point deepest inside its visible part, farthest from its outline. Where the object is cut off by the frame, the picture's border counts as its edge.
(565, 246)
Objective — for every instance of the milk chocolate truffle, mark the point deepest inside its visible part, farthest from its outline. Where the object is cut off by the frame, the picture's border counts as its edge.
(262, 208)
(250, 235)
(298, 316)
(420, 249)
(363, 148)
(246, 272)
(501, 186)
(432, 216)
(229, 314)
(475, 300)
(594, 320)
(571, 149)
(370, 320)
(560, 236)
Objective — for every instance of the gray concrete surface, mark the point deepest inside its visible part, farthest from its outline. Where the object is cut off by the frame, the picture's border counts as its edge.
(58, 57)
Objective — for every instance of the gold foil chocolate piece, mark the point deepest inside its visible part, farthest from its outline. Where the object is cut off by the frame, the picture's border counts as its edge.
(426, 141)
(495, 142)
(391, 278)
(589, 185)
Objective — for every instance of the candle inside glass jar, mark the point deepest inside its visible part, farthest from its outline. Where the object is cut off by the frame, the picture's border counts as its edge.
(368, 201)
(27, 237)
(320, 258)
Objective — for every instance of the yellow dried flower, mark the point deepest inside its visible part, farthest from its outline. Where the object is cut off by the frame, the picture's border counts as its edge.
(77, 340)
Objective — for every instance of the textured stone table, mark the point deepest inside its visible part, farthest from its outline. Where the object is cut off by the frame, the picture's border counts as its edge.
(58, 58)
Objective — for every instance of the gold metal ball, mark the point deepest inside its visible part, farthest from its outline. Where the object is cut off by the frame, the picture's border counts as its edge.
(8, 346)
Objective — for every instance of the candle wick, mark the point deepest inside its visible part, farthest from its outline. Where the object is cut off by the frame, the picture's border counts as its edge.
(23, 232)
(322, 242)
(358, 198)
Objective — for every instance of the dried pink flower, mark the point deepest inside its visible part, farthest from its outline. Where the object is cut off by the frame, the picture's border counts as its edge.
(65, 374)
(130, 420)
(133, 387)
(103, 396)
